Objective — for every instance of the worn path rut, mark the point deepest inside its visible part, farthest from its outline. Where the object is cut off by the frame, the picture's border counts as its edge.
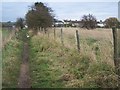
(24, 78)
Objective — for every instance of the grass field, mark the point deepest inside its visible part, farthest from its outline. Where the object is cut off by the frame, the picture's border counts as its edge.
(54, 65)
(7, 34)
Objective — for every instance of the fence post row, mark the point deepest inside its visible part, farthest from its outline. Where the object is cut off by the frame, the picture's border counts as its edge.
(116, 41)
(77, 39)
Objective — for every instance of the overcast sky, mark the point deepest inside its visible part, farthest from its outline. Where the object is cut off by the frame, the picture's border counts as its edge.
(63, 10)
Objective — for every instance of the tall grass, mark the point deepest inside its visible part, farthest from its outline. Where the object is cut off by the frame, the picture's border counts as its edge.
(54, 65)
(7, 34)
(11, 60)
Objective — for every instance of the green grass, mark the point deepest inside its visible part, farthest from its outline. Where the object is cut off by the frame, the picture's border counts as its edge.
(53, 65)
(11, 60)
(5, 34)
(91, 41)
(43, 72)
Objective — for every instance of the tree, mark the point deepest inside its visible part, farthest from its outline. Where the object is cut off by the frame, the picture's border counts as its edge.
(20, 23)
(39, 16)
(110, 22)
(89, 21)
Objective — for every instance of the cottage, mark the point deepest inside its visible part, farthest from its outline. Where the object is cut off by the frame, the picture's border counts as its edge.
(100, 24)
(72, 23)
(58, 23)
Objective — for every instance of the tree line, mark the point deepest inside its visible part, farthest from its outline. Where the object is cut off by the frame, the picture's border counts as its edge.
(40, 17)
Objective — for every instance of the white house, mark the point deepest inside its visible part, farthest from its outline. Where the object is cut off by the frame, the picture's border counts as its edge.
(58, 23)
(100, 24)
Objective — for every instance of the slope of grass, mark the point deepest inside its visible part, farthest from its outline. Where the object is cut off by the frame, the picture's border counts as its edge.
(53, 65)
(11, 60)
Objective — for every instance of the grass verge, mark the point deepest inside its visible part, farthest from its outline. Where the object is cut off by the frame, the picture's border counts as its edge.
(11, 60)
(53, 66)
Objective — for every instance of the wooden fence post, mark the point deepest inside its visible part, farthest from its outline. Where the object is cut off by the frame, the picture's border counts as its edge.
(77, 40)
(118, 58)
(62, 36)
(114, 30)
(116, 40)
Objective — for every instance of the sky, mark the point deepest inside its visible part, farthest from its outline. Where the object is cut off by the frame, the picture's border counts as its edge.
(11, 9)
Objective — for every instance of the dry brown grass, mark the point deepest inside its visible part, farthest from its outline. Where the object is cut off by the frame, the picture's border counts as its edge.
(92, 67)
(89, 40)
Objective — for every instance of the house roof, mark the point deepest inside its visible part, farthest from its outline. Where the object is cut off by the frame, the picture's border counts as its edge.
(72, 21)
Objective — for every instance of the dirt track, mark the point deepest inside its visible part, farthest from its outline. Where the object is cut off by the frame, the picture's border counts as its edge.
(24, 78)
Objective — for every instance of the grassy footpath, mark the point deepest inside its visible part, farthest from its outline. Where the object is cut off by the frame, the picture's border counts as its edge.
(11, 60)
(54, 66)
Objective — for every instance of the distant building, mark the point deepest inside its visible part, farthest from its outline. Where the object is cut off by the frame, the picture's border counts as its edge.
(67, 23)
(100, 24)
(72, 23)
(76, 23)
(58, 23)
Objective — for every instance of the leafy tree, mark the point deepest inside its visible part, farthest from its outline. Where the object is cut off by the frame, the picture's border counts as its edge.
(39, 16)
(20, 23)
(89, 21)
(110, 22)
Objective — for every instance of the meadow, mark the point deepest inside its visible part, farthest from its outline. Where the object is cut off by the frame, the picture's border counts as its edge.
(54, 65)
